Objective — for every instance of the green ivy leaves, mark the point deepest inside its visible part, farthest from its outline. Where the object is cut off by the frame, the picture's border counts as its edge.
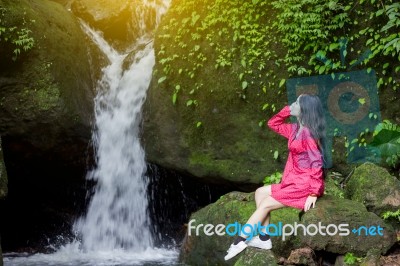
(242, 38)
(20, 37)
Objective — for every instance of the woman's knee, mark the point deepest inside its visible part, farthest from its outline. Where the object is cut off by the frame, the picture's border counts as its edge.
(264, 191)
(269, 204)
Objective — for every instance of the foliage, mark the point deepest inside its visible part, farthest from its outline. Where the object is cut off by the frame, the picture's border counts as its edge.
(386, 142)
(336, 188)
(391, 215)
(392, 42)
(275, 178)
(194, 30)
(350, 259)
(19, 36)
(358, 30)
(306, 37)
(307, 25)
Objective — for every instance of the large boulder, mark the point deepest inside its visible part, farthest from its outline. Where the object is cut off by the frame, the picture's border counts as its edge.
(46, 96)
(216, 129)
(374, 187)
(254, 256)
(46, 114)
(202, 245)
(347, 226)
(208, 99)
(232, 208)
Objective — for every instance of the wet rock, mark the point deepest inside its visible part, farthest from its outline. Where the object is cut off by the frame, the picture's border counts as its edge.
(302, 256)
(349, 227)
(253, 256)
(375, 188)
(234, 207)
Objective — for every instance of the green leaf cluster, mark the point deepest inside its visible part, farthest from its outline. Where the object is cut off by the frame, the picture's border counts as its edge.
(263, 43)
(275, 178)
(386, 140)
(351, 259)
(18, 35)
(391, 215)
(323, 37)
(189, 41)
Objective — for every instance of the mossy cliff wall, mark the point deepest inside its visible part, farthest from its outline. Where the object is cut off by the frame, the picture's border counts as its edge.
(46, 96)
(220, 73)
(46, 113)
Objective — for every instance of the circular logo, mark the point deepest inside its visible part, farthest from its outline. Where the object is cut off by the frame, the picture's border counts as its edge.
(343, 96)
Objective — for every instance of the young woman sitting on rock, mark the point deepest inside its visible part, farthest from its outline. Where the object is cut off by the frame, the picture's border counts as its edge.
(302, 181)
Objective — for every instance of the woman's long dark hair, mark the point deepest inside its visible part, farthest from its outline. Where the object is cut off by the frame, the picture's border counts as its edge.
(312, 117)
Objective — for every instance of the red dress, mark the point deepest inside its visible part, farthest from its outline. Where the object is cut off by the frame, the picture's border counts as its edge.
(303, 174)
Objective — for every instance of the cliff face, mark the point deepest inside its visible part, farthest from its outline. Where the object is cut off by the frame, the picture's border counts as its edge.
(221, 71)
(46, 96)
(46, 113)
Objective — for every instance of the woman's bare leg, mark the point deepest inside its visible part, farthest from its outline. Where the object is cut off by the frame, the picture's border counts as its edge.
(261, 194)
(260, 215)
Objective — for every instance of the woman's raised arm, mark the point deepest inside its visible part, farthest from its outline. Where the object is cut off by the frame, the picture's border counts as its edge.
(277, 122)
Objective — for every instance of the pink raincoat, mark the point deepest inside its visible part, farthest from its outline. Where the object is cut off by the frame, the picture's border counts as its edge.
(303, 174)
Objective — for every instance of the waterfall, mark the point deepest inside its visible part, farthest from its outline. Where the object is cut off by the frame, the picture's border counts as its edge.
(117, 214)
(116, 228)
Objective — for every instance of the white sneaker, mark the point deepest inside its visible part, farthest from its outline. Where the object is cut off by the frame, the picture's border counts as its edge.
(235, 249)
(258, 243)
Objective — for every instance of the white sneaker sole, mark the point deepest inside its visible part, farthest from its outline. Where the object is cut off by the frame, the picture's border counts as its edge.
(257, 243)
(239, 248)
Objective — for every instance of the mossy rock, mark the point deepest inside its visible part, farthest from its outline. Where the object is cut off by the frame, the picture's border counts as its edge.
(224, 137)
(332, 212)
(254, 256)
(332, 189)
(205, 123)
(230, 208)
(374, 187)
(46, 96)
(3, 175)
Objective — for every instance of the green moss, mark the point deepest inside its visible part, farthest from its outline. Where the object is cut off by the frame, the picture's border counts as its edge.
(331, 188)
(203, 165)
(254, 256)
(331, 210)
(44, 93)
(230, 139)
(231, 208)
(374, 187)
(50, 83)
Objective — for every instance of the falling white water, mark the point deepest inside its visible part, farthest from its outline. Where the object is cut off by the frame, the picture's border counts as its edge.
(117, 215)
(116, 229)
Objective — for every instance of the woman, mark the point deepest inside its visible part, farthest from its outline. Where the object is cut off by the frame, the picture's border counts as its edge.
(302, 181)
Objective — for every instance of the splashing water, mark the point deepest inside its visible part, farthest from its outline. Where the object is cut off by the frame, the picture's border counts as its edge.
(116, 227)
(117, 214)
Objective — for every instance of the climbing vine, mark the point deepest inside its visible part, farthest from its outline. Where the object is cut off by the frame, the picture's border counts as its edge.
(301, 37)
(365, 31)
(228, 31)
(19, 36)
